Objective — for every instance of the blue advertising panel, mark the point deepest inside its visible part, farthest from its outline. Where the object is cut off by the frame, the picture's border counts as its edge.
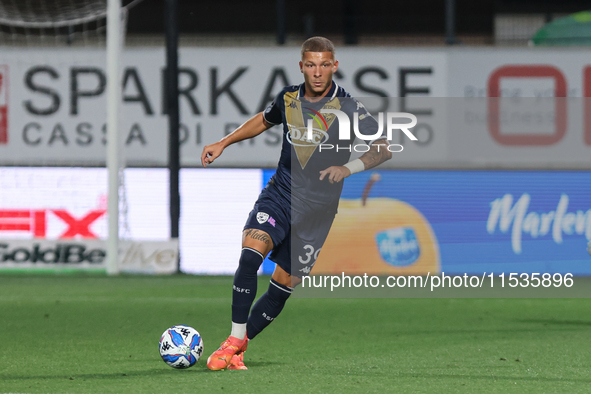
(497, 221)
(490, 221)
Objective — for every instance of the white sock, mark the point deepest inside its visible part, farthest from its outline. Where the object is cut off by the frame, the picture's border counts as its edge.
(238, 330)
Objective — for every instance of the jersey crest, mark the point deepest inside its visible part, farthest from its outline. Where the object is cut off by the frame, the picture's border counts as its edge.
(297, 116)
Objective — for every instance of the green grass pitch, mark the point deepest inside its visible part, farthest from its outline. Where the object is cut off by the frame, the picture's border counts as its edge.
(94, 334)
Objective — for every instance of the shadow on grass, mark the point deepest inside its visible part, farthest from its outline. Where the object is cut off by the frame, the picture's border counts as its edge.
(418, 375)
(482, 331)
(493, 378)
(114, 375)
(249, 363)
(556, 322)
(132, 374)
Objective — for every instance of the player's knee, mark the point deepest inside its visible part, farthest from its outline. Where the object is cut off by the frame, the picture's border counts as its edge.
(284, 278)
(250, 259)
(293, 281)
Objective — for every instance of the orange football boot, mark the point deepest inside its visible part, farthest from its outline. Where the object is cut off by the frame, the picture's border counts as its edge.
(237, 361)
(222, 357)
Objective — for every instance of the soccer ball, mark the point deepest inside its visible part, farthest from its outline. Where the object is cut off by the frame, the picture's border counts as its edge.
(181, 346)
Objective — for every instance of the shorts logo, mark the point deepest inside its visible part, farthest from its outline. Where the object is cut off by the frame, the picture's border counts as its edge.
(272, 221)
(306, 270)
(262, 217)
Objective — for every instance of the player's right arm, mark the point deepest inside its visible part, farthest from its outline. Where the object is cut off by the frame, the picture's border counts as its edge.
(251, 128)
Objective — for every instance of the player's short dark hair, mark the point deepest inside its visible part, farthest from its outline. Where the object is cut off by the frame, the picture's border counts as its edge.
(318, 44)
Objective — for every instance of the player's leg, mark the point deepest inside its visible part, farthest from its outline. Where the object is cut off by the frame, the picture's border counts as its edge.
(286, 279)
(270, 305)
(256, 244)
(266, 227)
(295, 257)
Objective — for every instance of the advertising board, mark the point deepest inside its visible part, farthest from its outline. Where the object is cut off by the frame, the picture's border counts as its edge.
(414, 221)
(464, 221)
(56, 100)
(476, 108)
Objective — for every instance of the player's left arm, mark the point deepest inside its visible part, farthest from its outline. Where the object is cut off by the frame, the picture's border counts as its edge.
(377, 154)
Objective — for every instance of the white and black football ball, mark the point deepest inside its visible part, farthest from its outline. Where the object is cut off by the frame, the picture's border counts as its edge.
(181, 346)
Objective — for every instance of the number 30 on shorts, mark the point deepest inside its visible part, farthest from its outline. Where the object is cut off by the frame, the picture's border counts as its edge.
(309, 254)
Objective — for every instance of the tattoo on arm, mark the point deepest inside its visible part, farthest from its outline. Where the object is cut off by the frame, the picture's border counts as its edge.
(377, 154)
(257, 235)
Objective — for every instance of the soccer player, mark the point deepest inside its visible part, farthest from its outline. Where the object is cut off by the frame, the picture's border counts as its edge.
(294, 212)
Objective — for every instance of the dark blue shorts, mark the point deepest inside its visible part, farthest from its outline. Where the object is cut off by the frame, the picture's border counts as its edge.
(297, 236)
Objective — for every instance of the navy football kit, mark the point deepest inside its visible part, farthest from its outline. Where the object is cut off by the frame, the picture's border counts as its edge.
(296, 208)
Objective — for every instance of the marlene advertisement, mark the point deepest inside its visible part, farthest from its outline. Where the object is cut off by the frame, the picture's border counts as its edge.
(465, 222)
(412, 222)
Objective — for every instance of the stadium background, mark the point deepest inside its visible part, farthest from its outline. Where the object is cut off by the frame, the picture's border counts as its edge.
(508, 196)
(444, 66)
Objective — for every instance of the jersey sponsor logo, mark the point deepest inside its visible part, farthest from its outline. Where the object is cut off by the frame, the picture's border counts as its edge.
(297, 136)
(262, 217)
(302, 134)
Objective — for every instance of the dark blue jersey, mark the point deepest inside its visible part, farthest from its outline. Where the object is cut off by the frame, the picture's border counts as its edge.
(302, 159)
